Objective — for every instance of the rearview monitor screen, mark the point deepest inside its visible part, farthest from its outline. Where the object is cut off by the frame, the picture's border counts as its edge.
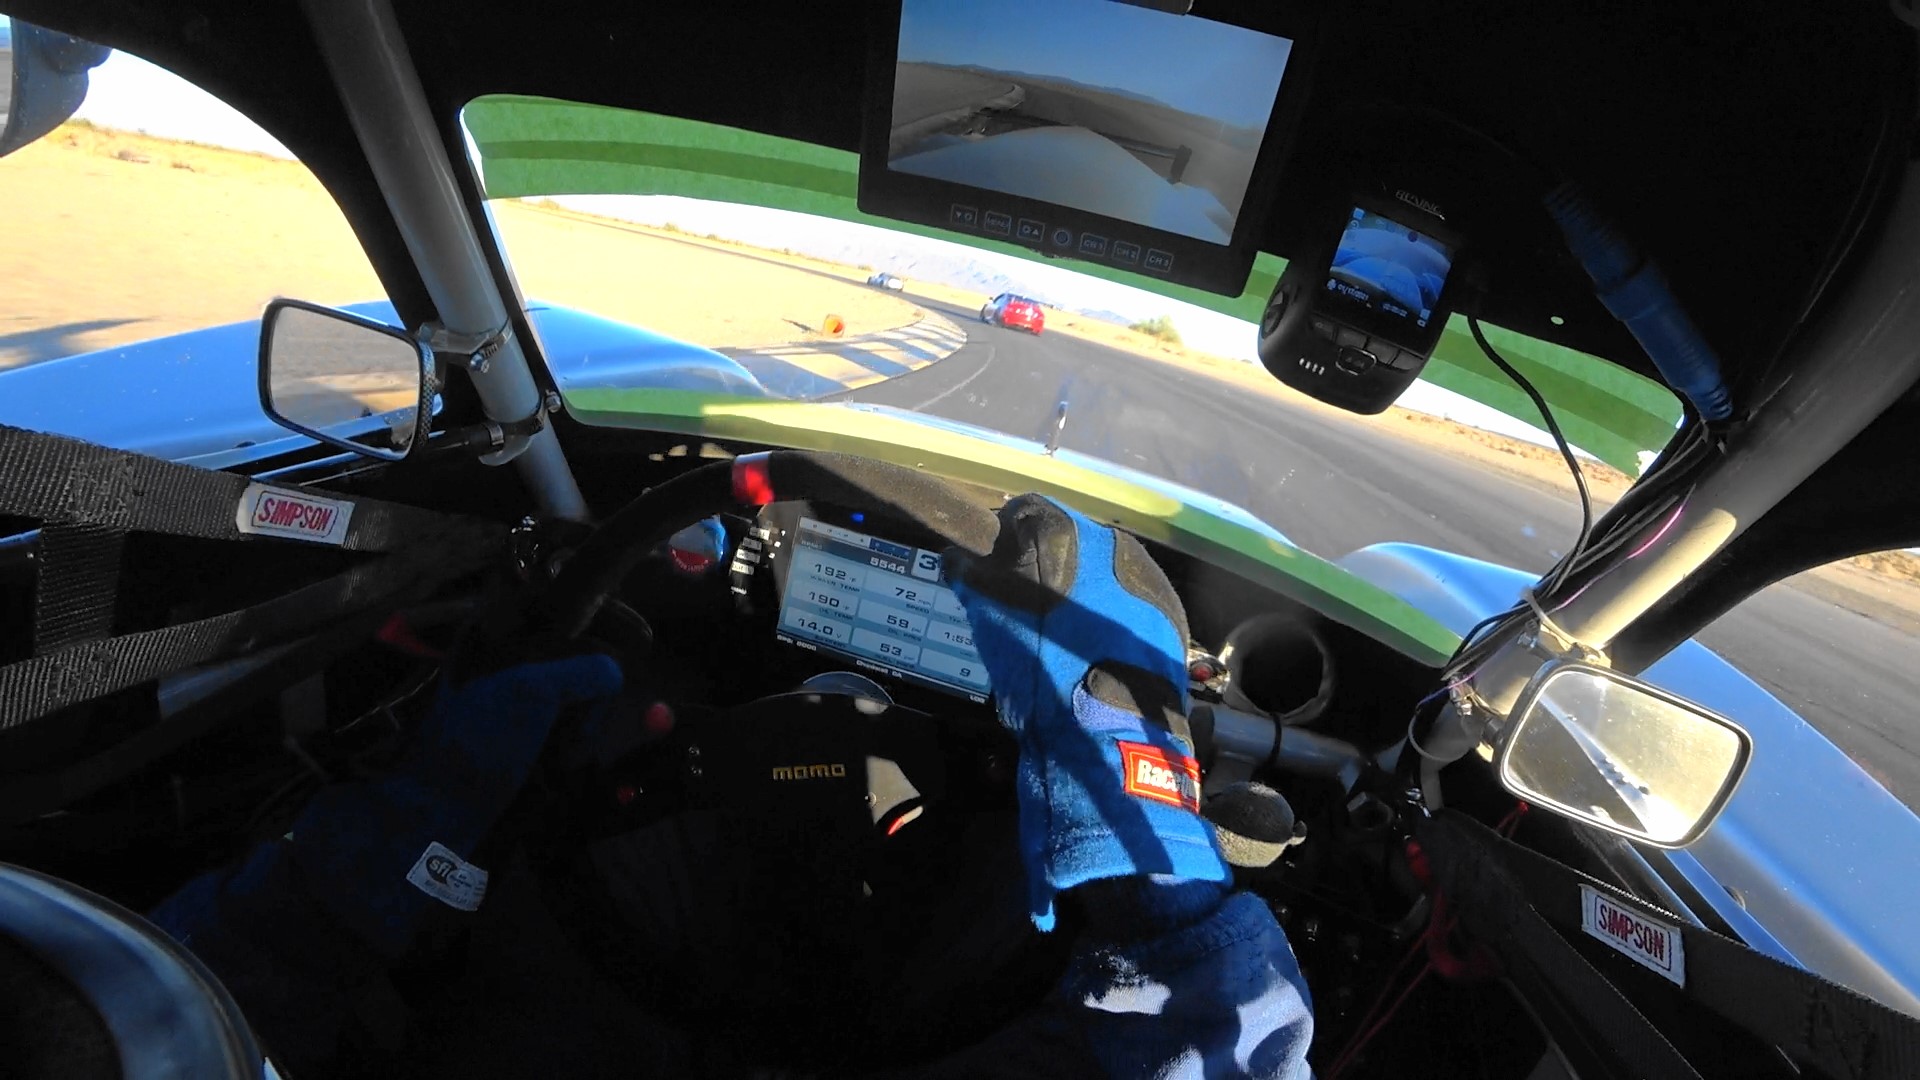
(1151, 118)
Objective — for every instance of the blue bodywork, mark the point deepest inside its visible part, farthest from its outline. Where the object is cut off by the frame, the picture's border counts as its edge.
(1810, 861)
(192, 397)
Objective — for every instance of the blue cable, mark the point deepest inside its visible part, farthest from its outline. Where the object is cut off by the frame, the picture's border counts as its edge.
(1633, 288)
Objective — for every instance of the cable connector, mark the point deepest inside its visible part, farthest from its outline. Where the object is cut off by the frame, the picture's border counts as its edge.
(1636, 292)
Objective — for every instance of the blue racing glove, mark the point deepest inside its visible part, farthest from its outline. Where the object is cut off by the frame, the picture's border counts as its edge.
(302, 921)
(1085, 642)
(381, 855)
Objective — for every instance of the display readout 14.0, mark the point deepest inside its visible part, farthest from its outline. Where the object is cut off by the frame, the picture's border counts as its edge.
(880, 602)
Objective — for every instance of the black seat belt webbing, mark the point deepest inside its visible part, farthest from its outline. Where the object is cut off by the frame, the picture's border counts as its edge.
(1489, 902)
(57, 479)
(1824, 1026)
(86, 494)
(31, 689)
(79, 581)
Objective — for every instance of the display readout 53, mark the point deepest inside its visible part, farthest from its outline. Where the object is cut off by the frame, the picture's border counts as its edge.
(1392, 271)
(880, 603)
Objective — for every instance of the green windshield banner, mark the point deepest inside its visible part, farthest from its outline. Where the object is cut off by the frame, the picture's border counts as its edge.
(533, 147)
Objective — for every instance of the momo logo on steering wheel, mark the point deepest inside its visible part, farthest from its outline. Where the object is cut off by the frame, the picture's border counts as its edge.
(809, 772)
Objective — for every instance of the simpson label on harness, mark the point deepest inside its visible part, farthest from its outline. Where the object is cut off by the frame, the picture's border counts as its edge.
(276, 511)
(87, 499)
(1654, 945)
(1521, 901)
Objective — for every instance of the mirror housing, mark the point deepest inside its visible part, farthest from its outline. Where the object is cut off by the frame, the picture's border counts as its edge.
(345, 380)
(1621, 754)
(46, 76)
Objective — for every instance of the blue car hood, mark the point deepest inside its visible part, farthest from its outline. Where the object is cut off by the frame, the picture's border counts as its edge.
(1810, 847)
(194, 397)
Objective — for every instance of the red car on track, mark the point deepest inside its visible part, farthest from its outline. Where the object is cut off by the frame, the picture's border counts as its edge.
(1016, 311)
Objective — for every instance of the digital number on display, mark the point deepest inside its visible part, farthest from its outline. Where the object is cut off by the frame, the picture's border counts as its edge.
(881, 603)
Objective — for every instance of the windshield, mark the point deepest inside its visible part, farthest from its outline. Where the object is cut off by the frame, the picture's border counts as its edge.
(160, 211)
(1154, 387)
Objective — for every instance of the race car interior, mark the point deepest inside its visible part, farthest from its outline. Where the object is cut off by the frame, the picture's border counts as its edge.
(808, 782)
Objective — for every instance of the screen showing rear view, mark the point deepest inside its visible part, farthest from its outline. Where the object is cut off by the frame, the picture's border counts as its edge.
(1388, 268)
(1151, 118)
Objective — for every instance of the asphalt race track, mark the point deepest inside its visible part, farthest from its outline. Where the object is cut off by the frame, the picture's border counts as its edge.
(1331, 487)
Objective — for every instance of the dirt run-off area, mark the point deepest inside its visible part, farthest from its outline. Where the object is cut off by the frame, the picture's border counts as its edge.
(118, 237)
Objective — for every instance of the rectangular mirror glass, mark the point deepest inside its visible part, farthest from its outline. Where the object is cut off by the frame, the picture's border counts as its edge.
(343, 379)
(1621, 754)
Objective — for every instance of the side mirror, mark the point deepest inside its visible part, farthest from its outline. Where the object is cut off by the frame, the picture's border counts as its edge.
(1621, 754)
(45, 76)
(345, 380)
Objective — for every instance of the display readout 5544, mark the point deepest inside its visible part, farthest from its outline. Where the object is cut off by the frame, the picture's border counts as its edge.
(880, 603)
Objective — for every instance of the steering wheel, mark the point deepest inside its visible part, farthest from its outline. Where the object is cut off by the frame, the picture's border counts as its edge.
(785, 870)
(593, 573)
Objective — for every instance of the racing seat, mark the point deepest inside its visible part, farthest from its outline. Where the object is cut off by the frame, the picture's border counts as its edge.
(89, 989)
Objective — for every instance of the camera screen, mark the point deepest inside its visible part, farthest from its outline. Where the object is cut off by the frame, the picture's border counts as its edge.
(1392, 270)
(1139, 115)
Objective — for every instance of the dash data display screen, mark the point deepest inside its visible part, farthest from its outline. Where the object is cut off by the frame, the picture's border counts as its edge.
(1394, 272)
(881, 603)
(1151, 118)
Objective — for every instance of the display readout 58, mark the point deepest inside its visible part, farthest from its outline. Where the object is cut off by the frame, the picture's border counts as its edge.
(880, 603)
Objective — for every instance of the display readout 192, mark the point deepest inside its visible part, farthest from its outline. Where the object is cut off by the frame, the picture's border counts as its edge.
(880, 601)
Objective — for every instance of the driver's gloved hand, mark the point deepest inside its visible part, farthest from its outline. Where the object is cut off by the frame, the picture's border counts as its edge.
(358, 843)
(302, 922)
(1085, 642)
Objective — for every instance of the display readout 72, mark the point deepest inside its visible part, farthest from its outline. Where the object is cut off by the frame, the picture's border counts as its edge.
(880, 603)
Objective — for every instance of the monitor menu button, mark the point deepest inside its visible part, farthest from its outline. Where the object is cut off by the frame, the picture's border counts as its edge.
(995, 221)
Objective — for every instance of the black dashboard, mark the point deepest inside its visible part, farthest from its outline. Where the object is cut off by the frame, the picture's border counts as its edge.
(815, 590)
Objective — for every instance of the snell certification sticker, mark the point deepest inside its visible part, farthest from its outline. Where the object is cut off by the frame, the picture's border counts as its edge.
(271, 511)
(1152, 773)
(448, 878)
(1646, 942)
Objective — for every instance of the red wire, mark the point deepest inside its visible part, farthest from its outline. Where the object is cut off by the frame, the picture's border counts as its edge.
(1354, 1045)
(1439, 926)
(1379, 1025)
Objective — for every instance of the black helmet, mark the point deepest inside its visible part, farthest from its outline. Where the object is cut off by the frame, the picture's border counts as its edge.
(88, 988)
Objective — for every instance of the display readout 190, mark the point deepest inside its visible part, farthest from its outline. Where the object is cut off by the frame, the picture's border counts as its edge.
(881, 602)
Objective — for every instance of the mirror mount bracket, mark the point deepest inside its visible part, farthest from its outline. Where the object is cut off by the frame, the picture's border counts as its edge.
(471, 351)
(488, 436)
(1549, 641)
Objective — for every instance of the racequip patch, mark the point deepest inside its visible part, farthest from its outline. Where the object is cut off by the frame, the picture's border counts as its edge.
(448, 878)
(272, 511)
(1647, 942)
(1153, 773)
